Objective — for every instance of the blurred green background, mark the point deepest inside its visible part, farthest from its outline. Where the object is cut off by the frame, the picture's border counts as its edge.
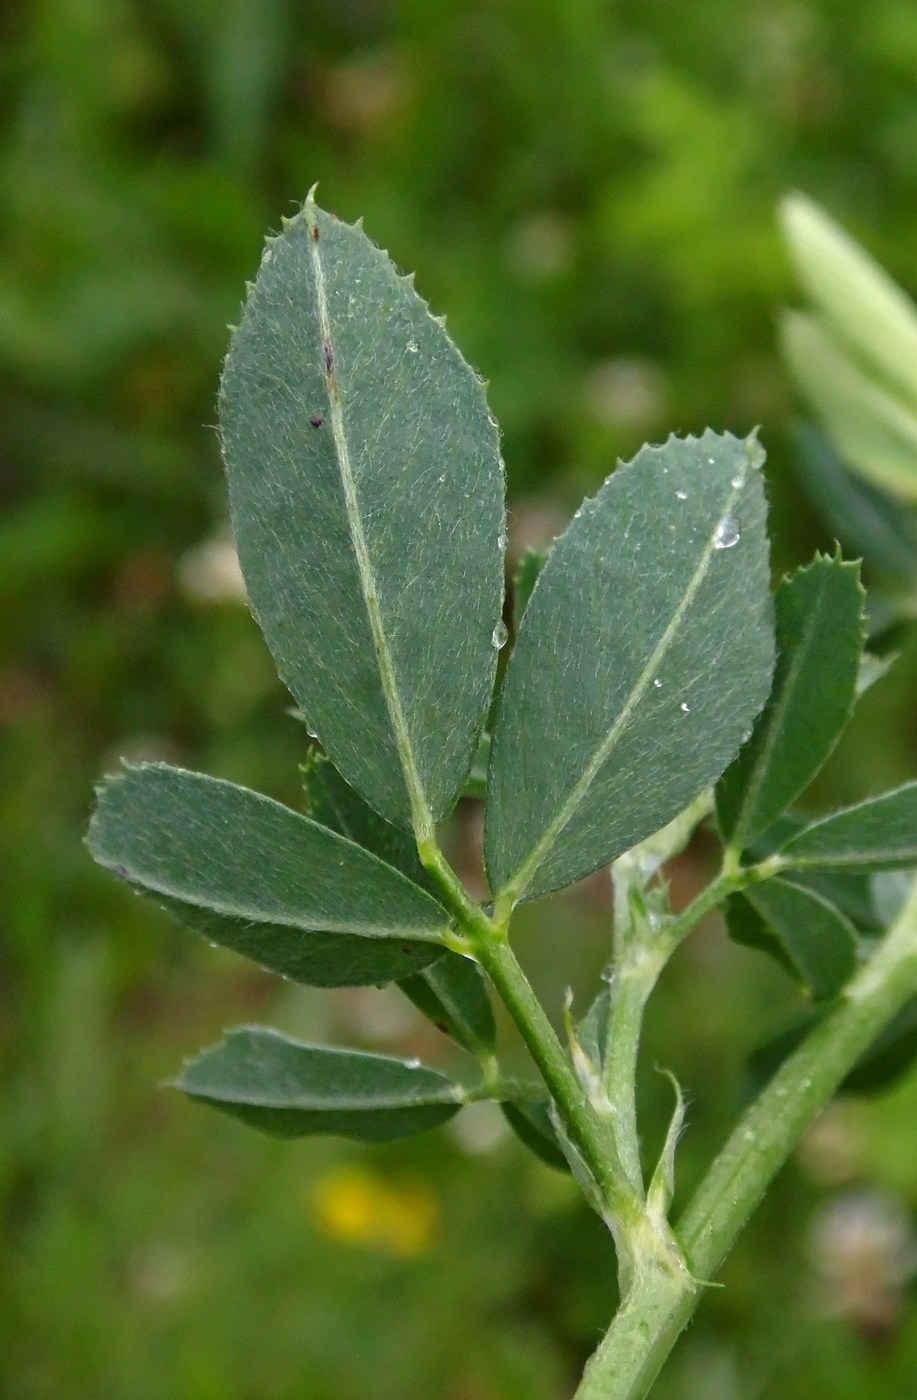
(588, 190)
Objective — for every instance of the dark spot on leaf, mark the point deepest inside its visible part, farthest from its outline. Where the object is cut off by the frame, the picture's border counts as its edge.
(329, 357)
(316, 420)
(121, 870)
(315, 233)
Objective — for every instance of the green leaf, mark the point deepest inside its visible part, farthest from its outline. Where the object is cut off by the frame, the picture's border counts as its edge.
(252, 875)
(452, 992)
(849, 891)
(820, 630)
(643, 658)
(366, 489)
(808, 937)
(293, 1090)
(531, 1121)
(878, 834)
(864, 518)
(525, 578)
(333, 803)
(876, 433)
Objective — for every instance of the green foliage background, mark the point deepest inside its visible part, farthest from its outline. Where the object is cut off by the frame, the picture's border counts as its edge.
(588, 190)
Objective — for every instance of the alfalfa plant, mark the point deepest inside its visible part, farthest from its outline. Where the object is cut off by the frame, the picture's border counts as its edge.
(652, 680)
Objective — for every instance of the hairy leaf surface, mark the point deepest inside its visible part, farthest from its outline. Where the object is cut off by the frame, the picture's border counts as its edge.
(248, 873)
(643, 657)
(366, 489)
(292, 1090)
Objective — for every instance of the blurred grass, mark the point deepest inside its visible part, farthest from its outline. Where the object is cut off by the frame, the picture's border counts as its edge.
(588, 191)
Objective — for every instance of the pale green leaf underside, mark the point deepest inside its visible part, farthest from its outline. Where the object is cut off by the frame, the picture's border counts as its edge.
(861, 303)
(878, 834)
(643, 657)
(366, 490)
(820, 630)
(804, 932)
(874, 430)
(292, 1090)
(248, 873)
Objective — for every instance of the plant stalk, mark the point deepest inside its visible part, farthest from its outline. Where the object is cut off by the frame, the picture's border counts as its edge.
(488, 942)
(592, 1137)
(661, 1299)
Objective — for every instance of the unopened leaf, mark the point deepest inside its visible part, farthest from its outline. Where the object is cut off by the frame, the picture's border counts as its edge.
(292, 1090)
(858, 299)
(820, 630)
(366, 490)
(592, 1030)
(250, 874)
(875, 431)
(643, 657)
(878, 834)
(809, 937)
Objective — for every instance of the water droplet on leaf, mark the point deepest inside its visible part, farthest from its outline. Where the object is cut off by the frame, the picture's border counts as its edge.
(499, 635)
(685, 707)
(681, 495)
(727, 533)
(657, 683)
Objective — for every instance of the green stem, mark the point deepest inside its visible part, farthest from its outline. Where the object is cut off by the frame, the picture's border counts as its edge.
(640, 954)
(590, 1135)
(662, 1299)
(487, 941)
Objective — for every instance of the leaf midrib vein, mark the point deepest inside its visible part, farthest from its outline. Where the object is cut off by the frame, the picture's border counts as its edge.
(421, 816)
(519, 881)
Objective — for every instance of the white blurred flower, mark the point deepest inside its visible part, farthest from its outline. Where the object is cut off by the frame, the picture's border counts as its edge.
(864, 1251)
(625, 392)
(541, 246)
(210, 573)
(831, 1152)
(479, 1129)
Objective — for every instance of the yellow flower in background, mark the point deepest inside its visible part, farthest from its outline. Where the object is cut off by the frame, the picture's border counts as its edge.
(357, 1206)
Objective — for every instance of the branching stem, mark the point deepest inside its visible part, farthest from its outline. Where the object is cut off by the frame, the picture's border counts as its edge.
(661, 1300)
